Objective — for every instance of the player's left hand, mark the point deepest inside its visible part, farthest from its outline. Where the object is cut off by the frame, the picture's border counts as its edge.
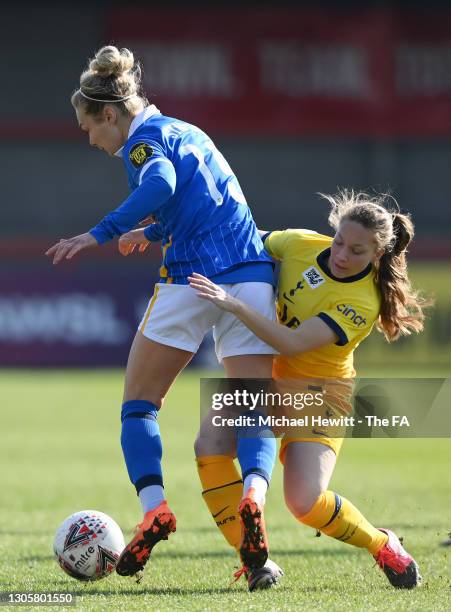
(207, 290)
(128, 242)
(66, 248)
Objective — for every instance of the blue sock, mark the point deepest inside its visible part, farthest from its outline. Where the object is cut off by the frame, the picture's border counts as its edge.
(141, 443)
(256, 449)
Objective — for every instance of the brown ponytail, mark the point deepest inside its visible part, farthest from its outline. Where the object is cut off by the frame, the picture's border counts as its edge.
(401, 306)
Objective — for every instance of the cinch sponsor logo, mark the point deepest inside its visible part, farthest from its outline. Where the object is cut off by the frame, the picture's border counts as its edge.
(349, 312)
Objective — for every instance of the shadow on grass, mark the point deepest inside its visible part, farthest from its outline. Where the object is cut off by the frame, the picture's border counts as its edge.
(279, 552)
(273, 529)
(339, 552)
(218, 554)
(229, 590)
(160, 554)
(153, 591)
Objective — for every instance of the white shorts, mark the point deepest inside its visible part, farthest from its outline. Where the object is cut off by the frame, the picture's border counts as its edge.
(177, 317)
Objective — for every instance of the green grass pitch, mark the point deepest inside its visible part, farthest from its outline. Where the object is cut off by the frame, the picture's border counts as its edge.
(60, 453)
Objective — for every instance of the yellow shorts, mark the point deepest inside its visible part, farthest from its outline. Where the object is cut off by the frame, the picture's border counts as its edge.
(337, 403)
(333, 443)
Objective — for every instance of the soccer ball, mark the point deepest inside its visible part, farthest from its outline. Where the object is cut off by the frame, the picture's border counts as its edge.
(87, 545)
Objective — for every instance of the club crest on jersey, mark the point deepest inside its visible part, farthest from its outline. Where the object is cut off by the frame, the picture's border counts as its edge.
(140, 153)
(313, 277)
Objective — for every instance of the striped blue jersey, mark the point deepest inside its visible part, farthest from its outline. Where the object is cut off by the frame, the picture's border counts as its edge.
(178, 176)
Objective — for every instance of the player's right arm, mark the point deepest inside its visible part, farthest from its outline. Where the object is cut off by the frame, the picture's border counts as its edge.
(155, 181)
(156, 186)
(342, 322)
(312, 334)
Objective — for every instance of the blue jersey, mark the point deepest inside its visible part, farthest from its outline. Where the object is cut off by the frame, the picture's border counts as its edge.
(178, 176)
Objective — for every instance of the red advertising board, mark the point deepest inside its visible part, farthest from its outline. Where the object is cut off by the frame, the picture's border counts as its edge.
(295, 72)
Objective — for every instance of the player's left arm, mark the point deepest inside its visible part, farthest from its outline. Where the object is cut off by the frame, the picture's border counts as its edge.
(157, 186)
(311, 334)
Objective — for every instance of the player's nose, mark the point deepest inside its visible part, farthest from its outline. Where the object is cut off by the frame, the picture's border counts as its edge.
(342, 256)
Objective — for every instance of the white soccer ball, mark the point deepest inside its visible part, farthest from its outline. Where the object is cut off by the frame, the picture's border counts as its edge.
(87, 545)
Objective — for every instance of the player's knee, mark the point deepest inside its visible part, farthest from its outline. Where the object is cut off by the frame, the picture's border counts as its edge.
(205, 446)
(300, 502)
(140, 392)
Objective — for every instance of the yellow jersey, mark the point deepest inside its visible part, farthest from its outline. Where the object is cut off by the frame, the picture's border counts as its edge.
(307, 288)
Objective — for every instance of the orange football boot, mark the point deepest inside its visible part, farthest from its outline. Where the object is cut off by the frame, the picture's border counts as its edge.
(254, 547)
(157, 525)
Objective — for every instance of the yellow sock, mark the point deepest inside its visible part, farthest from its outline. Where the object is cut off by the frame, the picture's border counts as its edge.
(337, 517)
(223, 489)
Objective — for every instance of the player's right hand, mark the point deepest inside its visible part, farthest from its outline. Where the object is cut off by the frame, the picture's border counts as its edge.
(66, 248)
(129, 241)
(207, 290)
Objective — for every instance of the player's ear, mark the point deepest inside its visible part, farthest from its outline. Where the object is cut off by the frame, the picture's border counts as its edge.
(109, 114)
(377, 255)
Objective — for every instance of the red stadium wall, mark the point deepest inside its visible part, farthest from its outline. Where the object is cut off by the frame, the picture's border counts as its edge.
(343, 72)
(365, 73)
(300, 101)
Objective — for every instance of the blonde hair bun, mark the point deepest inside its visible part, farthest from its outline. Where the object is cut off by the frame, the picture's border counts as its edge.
(110, 60)
(112, 77)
